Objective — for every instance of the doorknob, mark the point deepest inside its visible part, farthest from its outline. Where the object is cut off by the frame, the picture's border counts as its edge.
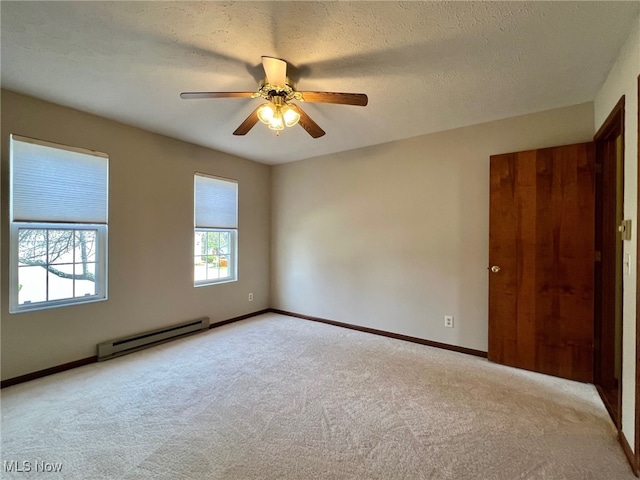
(495, 269)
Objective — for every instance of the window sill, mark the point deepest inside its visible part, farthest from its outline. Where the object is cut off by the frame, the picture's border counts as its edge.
(208, 284)
(47, 306)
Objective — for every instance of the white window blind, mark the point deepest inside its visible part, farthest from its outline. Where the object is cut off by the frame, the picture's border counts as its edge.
(55, 183)
(216, 202)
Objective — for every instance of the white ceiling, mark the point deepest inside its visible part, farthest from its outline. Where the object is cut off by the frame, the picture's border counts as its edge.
(426, 66)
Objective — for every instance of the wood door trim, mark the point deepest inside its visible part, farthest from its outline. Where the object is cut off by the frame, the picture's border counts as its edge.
(615, 118)
(637, 428)
(612, 127)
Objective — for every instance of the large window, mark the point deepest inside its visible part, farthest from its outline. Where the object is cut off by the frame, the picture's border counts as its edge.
(216, 230)
(58, 216)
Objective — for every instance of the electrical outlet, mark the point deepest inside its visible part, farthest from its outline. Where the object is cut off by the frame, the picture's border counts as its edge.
(251, 297)
(448, 321)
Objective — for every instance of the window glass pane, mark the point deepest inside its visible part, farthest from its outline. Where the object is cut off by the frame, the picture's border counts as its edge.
(224, 242)
(85, 271)
(32, 246)
(85, 279)
(213, 242)
(60, 245)
(205, 243)
(200, 271)
(200, 245)
(212, 270)
(60, 282)
(85, 246)
(32, 285)
(212, 260)
(224, 266)
(213, 273)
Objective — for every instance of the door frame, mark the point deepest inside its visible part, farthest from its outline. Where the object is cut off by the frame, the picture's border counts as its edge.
(637, 429)
(612, 127)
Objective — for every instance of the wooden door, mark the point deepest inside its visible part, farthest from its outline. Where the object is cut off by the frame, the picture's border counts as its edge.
(541, 254)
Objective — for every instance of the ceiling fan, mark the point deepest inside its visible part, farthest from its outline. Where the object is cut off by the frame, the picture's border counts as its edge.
(279, 92)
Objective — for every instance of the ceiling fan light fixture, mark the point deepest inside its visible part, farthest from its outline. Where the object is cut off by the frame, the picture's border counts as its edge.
(266, 113)
(277, 114)
(290, 116)
(277, 122)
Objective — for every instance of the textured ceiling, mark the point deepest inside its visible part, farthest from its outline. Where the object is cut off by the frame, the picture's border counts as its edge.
(426, 66)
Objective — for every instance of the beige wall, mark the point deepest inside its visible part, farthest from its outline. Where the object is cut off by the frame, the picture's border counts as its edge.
(150, 238)
(395, 236)
(623, 80)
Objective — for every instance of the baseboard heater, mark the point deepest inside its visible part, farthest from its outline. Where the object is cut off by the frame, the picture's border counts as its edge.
(133, 343)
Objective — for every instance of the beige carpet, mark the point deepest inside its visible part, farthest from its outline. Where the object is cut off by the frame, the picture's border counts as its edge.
(275, 397)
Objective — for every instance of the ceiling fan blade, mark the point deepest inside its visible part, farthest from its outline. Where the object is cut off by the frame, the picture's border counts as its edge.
(359, 99)
(189, 95)
(309, 125)
(248, 123)
(276, 71)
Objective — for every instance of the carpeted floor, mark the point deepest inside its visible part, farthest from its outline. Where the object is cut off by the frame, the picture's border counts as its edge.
(275, 397)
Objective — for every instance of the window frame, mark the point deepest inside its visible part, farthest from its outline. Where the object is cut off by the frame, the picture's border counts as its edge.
(101, 263)
(233, 257)
(100, 225)
(232, 228)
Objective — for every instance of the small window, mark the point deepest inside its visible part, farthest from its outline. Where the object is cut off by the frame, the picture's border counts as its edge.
(58, 231)
(216, 230)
